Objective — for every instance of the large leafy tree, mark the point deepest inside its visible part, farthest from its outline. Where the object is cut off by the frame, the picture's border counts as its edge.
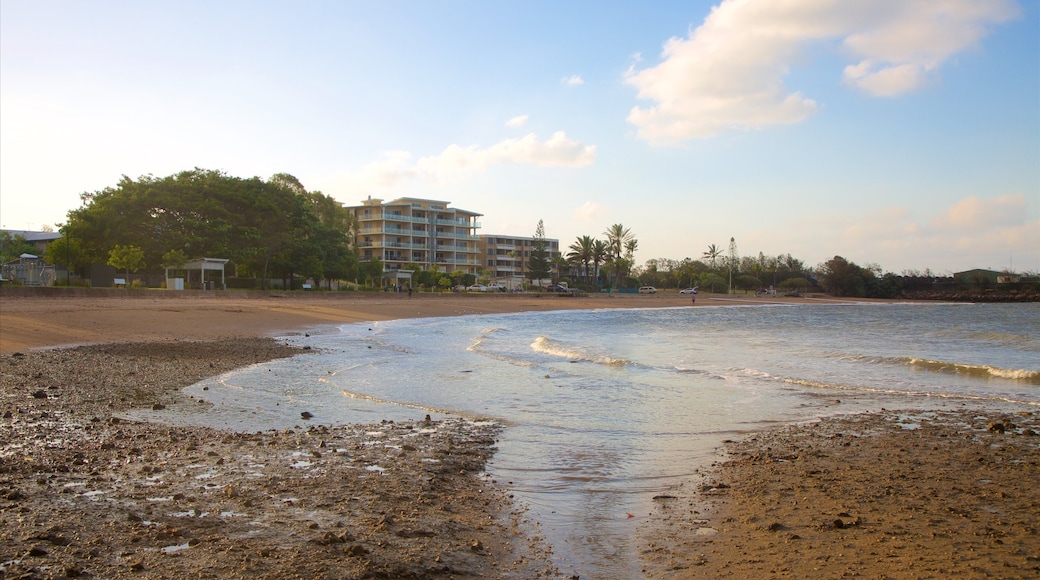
(840, 277)
(273, 227)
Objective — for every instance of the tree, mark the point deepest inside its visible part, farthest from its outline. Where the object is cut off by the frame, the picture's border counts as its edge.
(748, 282)
(712, 254)
(262, 226)
(618, 239)
(13, 246)
(67, 252)
(538, 266)
(794, 285)
(839, 277)
(371, 271)
(129, 258)
(734, 261)
(174, 259)
(581, 253)
(559, 263)
(600, 254)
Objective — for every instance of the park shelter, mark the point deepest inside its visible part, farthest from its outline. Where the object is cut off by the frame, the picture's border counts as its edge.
(196, 274)
(399, 279)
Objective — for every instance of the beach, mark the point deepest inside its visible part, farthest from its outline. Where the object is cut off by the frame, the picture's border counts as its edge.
(85, 492)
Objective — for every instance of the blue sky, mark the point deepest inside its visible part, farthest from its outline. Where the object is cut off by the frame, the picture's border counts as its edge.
(893, 132)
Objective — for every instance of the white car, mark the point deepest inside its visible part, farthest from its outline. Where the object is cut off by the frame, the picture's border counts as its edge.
(477, 288)
(647, 290)
(688, 291)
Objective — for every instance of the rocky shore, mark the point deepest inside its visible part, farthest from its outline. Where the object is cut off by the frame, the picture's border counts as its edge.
(86, 493)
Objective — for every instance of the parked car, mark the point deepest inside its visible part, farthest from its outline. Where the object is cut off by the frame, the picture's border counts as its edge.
(647, 290)
(688, 291)
(477, 288)
(559, 288)
(496, 287)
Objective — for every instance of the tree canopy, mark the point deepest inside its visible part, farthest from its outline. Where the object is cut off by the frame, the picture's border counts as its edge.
(266, 228)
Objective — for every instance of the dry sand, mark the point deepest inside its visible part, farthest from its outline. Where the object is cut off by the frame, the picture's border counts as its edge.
(83, 492)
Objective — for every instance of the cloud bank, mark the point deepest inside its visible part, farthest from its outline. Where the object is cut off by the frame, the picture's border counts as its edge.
(457, 162)
(728, 72)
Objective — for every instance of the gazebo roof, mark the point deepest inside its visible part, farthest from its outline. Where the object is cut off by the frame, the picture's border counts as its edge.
(205, 264)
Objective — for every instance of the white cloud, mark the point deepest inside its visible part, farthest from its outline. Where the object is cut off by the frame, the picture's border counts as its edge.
(973, 232)
(573, 81)
(974, 214)
(517, 121)
(589, 211)
(457, 162)
(728, 72)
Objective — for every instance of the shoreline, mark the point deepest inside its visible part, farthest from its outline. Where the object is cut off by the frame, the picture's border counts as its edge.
(29, 321)
(67, 448)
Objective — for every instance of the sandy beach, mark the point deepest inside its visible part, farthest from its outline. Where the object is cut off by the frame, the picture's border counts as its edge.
(85, 492)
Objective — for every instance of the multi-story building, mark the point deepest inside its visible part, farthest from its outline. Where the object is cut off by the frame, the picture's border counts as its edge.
(421, 231)
(505, 258)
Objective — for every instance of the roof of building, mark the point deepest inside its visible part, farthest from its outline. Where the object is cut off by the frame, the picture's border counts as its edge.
(35, 236)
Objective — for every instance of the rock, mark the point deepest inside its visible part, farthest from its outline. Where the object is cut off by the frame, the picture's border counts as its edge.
(39, 394)
(306, 415)
(158, 406)
(995, 427)
(38, 551)
(355, 550)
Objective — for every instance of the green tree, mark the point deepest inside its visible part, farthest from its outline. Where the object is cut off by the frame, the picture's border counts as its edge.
(794, 285)
(747, 282)
(262, 226)
(66, 252)
(372, 271)
(618, 240)
(174, 260)
(14, 245)
(734, 261)
(840, 277)
(538, 266)
(712, 254)
(581, 254)
(129, 258)
(600, 254)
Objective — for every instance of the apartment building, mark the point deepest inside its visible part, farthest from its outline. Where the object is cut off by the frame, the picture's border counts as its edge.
(421, 231)
(505, 257)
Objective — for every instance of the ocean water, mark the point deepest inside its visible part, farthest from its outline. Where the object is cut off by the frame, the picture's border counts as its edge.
(606, 408)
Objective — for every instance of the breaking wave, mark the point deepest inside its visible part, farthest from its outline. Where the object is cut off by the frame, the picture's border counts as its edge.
(546, 346)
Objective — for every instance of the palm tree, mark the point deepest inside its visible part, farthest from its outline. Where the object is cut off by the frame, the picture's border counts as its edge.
(618, 238)
(712, 254)
(558, 263)
(581, 253)
(600, 255)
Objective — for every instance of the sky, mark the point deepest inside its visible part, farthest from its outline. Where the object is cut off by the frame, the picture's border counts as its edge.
(901, 133)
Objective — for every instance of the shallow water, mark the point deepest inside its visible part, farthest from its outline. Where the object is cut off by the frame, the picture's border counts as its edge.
(606, 408)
